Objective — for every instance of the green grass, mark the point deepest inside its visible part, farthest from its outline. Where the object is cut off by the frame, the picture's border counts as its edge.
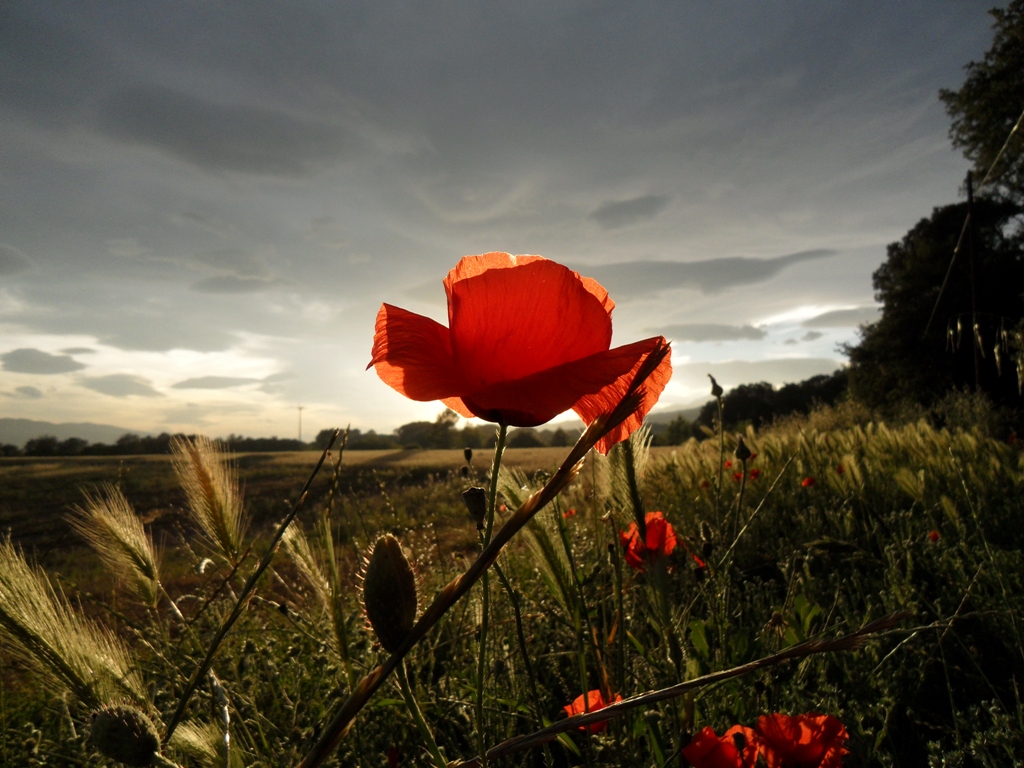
(814, 560)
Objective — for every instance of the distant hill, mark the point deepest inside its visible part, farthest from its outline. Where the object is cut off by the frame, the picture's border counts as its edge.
(20, 431)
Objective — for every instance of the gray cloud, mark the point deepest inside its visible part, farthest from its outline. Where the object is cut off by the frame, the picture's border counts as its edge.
(12, 261)
(843, 318)
(79, 351)
(710, 332)
(638, 278)
(216, 136)
(233, 284)
(32, 393)
(36, 361)
(613, 214)
(811, 336)
(121, 385)
(213, 382)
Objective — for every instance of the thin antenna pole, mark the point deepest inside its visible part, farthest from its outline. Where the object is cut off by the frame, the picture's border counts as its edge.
(300, 423)
(974, 291)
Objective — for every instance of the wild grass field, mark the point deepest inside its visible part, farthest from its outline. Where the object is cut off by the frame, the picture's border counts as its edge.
(825, 528)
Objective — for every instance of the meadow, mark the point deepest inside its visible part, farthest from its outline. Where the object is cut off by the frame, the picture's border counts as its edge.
(831, 523)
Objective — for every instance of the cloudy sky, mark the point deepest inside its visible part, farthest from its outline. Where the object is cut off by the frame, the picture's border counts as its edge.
(203, 204)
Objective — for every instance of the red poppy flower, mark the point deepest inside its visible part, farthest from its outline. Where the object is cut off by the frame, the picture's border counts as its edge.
(807, 482)
(803, 741)
(660, 540)
(934, 536)
(594, 701)
(755, 473)
(728, 464)
(738, 748)
(527, 339)
(737, 476)
(752, 456)
(569, 513)
(705, 484)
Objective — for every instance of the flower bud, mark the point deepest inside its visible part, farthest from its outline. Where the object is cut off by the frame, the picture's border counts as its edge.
(389, 593)
(125, 734)
(742, 452)
(716, 391)
(468, 453)
(475, 500)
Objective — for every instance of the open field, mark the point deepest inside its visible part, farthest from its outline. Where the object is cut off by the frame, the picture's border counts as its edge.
(824, 532)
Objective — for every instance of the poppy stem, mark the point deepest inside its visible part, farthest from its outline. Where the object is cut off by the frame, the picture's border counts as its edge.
(721, 462)
(417, 714)
(481, 669)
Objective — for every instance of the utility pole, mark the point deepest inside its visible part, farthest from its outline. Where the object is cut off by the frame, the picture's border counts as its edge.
(300, 423)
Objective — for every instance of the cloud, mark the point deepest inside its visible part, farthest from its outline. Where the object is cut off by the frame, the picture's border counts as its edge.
(217, 136)
(36, 361)
(121, 385)
(213, 382)
(811, 336)
(735, 372)
(79, 351)
(31, 393)
(13, 261)
(233, 284)
(710, 332)
(613, 214)
(843, 318)
(631, 279)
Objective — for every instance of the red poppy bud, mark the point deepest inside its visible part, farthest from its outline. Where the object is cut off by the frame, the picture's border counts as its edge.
(807, 482)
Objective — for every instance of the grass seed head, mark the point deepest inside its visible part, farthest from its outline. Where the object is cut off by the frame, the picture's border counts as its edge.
(389, 593)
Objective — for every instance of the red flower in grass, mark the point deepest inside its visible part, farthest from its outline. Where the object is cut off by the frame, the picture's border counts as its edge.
(803, 741)
(569, 513)
(659, 542)
(755, 473)
(738, 748)
(840, 469)
(728, 464)
(737, 476)
(591, 703)
(807, 482)
(527, 339)
(934, 536)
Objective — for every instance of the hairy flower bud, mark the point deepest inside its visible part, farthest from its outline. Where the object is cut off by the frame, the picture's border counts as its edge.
(389, 593)
(475, 500)
(125, 734)
(742, 452)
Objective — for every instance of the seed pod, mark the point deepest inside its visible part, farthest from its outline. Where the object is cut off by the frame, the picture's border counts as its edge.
(742, 452)
(468, 453)
(125, 734)
(716, 390)
(475, 500)
(389, 593)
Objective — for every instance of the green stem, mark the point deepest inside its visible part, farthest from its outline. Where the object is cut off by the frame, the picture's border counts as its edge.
(721, 462)
(481, 669)
(414, 709)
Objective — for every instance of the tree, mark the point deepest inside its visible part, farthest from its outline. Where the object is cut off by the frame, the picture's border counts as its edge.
(989, 103)
(893, 361)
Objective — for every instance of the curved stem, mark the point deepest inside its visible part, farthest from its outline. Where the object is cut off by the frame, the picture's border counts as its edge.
(417, 714)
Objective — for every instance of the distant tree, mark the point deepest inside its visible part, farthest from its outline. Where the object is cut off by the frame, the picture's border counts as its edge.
(6, 449)
(988, 104)
(893, 362)
(73, 446)
(559, 438)
(759, 404)
(524, 438)
(46, 445)
(678, 431)
(425, 434)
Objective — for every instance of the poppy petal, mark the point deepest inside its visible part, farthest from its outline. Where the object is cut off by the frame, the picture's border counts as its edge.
(413, 355)
(540, 397)
(507, 324)
(456, 404)
(590, 406)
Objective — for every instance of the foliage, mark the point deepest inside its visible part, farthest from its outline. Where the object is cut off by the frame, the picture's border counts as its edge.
(894, 361)
(760, 404)
(990, 101)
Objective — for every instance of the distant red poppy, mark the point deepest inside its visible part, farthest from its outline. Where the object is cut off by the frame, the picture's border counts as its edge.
(737, 476)
(803, 741)
(840, 469)
(737, 748)
(752, 456)
(527, 339)
(728, 464)
(594, 701)
(934, 536)
(807, 482)
(705, 484)
(659, 542)
(755, 473)
(569, 513)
